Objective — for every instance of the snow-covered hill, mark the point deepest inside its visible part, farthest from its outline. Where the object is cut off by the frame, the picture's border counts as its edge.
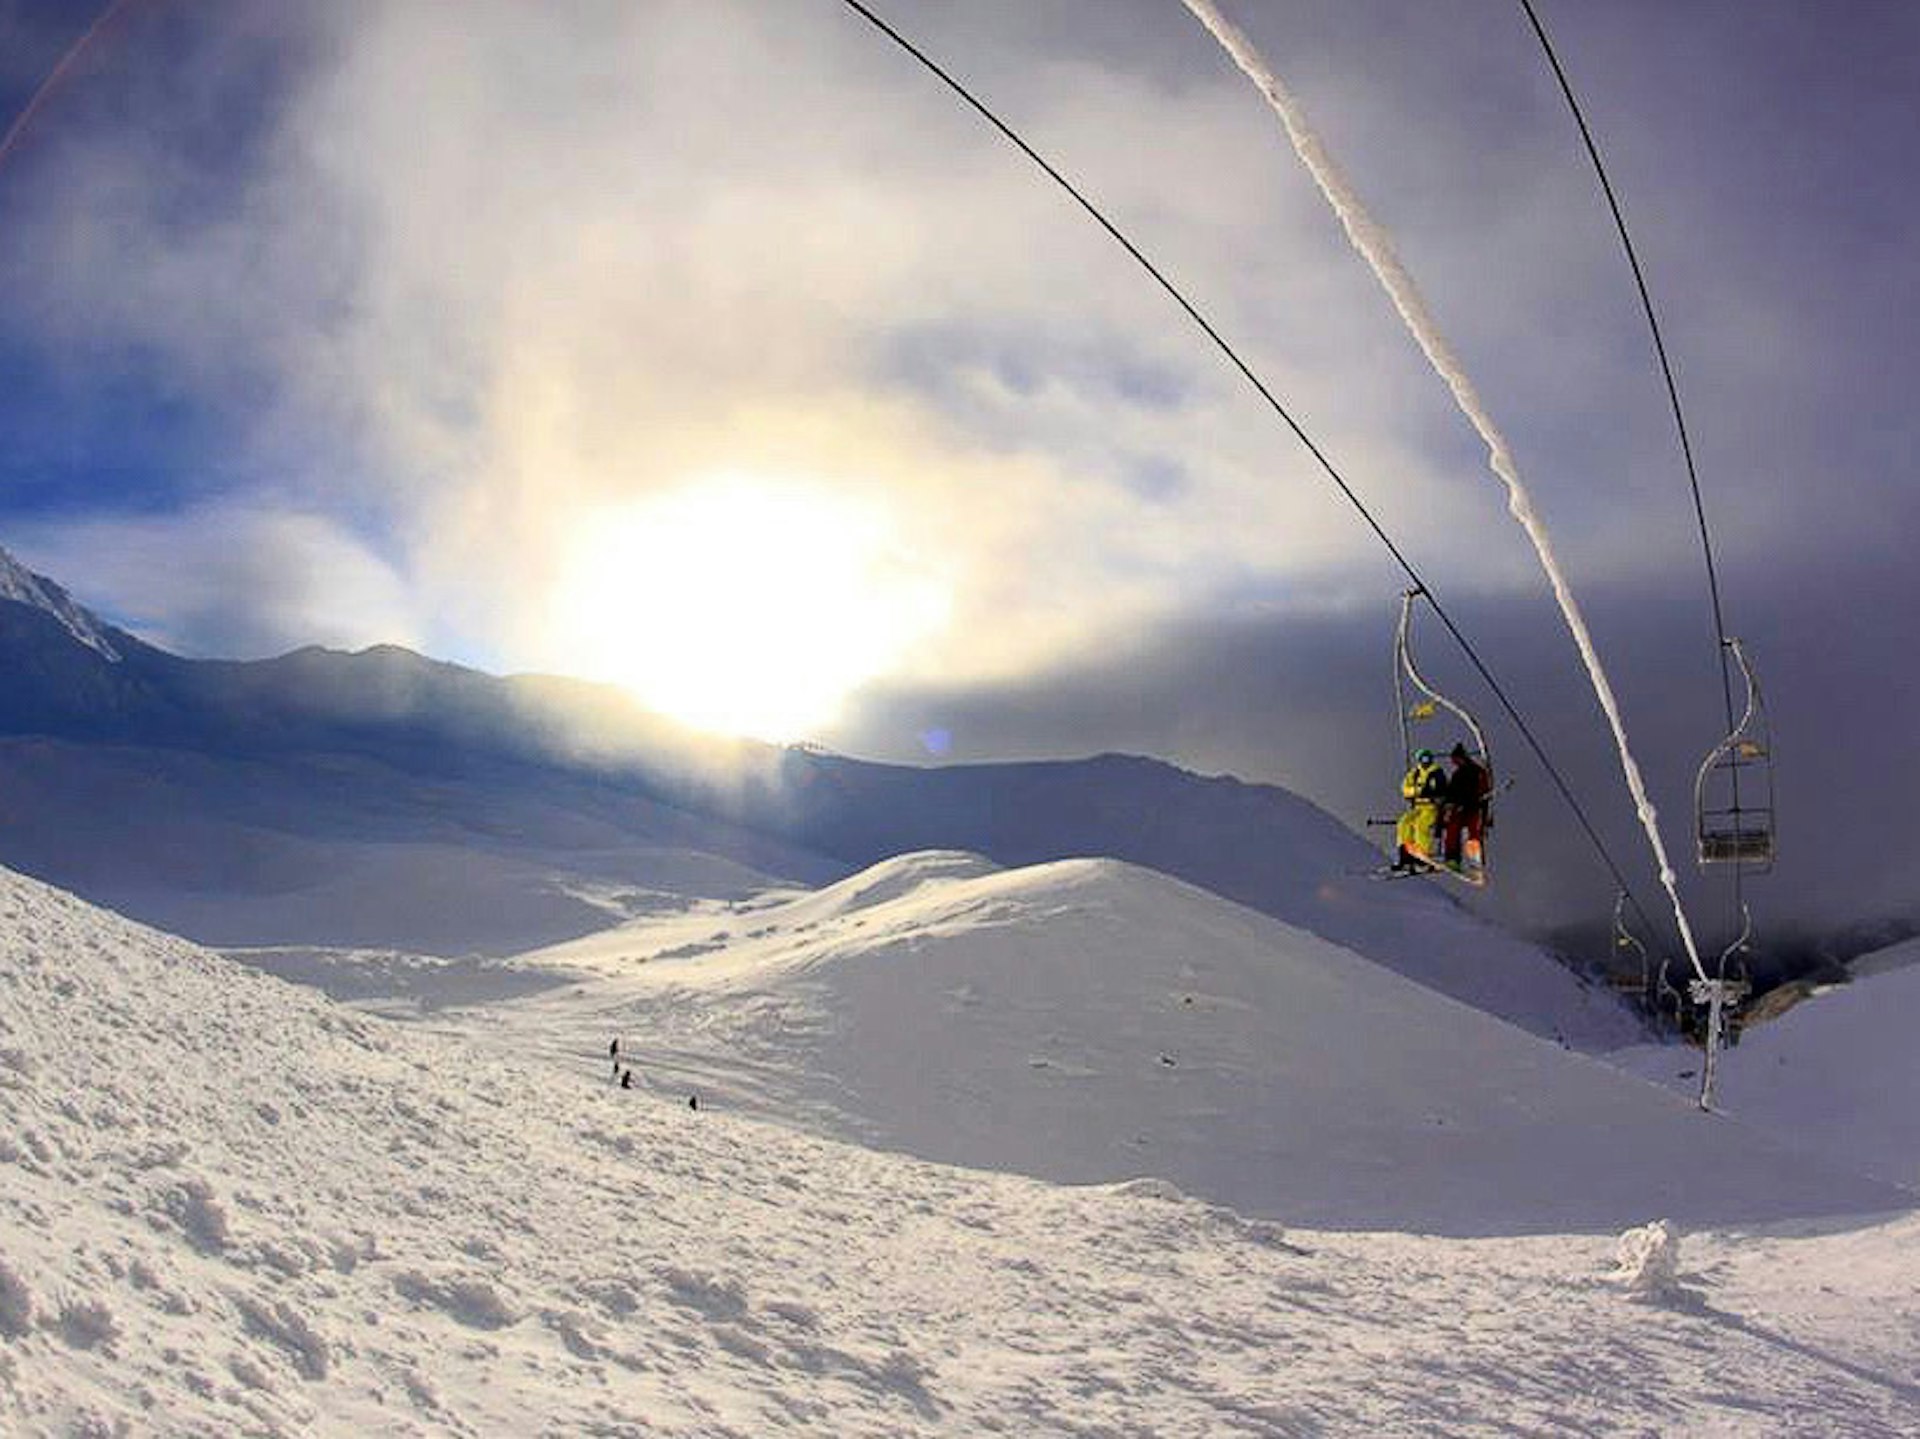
(1837, 1075)
(1903, 955)
(1258, 845)
(1089, 1021)
(227, 1206)
(337, 850)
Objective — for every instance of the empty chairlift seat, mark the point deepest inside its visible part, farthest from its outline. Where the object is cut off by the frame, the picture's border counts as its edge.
(1733, 794)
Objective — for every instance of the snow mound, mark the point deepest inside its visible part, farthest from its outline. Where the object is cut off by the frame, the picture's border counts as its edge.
(1090, 1022)
(1903, 955)
(881, 884)
(1648, 1261)
(1256, 845)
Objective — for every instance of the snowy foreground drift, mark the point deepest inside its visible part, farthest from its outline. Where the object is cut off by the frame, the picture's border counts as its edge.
(227, 1205)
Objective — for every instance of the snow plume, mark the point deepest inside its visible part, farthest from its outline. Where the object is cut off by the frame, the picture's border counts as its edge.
(1377, 249)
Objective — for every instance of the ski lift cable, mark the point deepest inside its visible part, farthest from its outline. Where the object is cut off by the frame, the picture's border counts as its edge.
(1659, 346)
(1673, 388)
(1246, 371)
(11, 139)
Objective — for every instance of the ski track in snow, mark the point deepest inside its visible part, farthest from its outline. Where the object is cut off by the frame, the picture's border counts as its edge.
(231, 1206)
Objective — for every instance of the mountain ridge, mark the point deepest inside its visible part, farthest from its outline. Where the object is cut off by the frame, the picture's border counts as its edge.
(267, 766)
(23, 586)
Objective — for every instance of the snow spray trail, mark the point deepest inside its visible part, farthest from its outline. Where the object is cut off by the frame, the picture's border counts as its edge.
(11, 140)
(1375, 247)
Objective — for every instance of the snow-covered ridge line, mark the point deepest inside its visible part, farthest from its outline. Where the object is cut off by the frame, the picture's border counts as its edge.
(21, 585)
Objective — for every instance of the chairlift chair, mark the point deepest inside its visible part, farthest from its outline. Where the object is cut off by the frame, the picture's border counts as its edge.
(1418, 701)
(1733, 793)
(1626, 941)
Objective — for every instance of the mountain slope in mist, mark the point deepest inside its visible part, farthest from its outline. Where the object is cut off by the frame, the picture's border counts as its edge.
(389, 801)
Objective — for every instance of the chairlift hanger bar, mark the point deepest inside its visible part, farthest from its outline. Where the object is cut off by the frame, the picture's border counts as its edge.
(1403, 655)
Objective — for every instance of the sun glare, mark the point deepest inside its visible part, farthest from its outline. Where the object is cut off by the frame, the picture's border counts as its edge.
(742, 605)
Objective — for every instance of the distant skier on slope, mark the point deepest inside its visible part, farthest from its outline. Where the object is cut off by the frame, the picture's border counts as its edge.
(626, 1078)
(613, 1053)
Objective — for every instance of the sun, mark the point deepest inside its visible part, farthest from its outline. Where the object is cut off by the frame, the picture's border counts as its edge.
(741, 604)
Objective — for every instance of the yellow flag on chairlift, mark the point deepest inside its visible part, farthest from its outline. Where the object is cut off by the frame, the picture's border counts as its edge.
(1426, 709)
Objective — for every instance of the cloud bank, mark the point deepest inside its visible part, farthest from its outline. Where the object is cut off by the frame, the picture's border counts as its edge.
(477, 279)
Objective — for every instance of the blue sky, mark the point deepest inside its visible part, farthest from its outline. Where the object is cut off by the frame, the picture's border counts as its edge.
(370, 322)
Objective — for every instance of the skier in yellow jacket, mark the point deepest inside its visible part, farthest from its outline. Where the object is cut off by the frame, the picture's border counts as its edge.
(1422, 788)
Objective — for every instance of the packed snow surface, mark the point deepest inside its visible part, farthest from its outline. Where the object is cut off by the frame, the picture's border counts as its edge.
(229, 1205)
(1089, 1021)
(1838, 1074)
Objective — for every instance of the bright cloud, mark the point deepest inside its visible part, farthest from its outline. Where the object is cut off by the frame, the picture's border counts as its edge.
(233, 581)
(485, 278)
(740, 604)
(496, 279)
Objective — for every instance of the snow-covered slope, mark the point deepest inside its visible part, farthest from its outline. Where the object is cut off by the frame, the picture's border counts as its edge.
(1259, 845)
(337, 850)
(1838, 1075)
(1089, 1021)
(22, 586)
(227, 1207)
(1903, 955)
